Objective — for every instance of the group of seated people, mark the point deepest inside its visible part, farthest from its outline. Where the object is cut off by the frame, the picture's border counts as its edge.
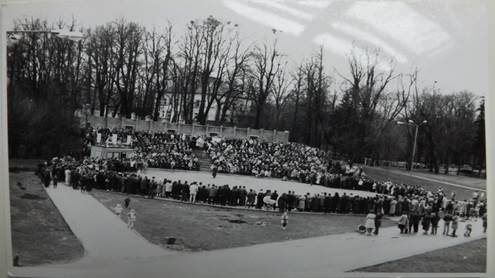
(268, 159)
(166, 150)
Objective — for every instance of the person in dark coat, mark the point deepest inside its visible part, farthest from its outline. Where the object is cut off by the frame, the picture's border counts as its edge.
(242, 196)
(282, 202)
(259, 199)
(327, 202)
(291, 201)
(46, 177)
(75, 179)
(315, 203)
(251, 198)
(426, 222)
(214, 171)
(274, 196)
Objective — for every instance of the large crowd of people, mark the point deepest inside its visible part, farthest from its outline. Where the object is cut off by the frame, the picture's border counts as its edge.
(269, 159)
(415, 206)
(166, 150)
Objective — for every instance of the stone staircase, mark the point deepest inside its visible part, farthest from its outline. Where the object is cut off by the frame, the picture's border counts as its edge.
(203, 159)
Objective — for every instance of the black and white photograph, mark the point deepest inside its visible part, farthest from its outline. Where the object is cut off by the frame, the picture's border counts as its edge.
(246, 138)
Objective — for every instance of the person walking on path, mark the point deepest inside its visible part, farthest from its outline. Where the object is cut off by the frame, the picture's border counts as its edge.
(127, 202)
(131, 218)
(118, 209)
(284, 220)
(214, 170)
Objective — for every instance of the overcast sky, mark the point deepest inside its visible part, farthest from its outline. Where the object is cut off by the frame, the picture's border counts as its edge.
(445, 39)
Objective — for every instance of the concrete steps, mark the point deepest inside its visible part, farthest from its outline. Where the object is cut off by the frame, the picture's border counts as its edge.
(203, 159)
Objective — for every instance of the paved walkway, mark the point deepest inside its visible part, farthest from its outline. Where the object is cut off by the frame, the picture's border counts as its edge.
(104, 236)
(478, 184)
(114, 251)
(455, 181)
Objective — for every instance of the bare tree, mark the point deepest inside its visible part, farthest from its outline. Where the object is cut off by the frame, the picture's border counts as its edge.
(267, 62)
(281, 92)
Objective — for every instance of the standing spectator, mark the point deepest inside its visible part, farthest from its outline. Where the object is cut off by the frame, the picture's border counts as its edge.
(251, 197)
(193, 190)
(434, 223)
(67, 173)
(426, 223)
(446, 223)
(370, 222)
(484, 222)
(455, 220)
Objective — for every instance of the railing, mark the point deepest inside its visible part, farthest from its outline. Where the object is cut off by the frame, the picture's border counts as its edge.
(188, 129)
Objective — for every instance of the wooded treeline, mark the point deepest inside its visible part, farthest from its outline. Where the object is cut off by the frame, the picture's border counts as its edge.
(121, 68)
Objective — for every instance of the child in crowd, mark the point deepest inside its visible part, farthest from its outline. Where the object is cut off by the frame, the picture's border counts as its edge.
(370, 222)
(131, 218)
(403, 223)
(284, 220)
(469, 228)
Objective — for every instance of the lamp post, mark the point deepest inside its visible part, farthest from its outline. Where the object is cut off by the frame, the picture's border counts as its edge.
(416, 130)
(16, 35)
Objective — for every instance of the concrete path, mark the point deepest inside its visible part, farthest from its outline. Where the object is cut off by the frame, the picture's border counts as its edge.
(312, 257)
(455, 181)
(478, 186)
(104, 236)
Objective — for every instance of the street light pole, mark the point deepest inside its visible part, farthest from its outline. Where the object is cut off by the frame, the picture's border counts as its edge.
(416, 131)
(414, 147)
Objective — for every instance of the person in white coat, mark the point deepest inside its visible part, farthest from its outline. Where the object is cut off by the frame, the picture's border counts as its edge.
(193, 190)
(67, 176)
(370, 222)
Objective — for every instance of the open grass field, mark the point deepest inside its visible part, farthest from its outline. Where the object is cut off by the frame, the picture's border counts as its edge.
(467, 257)
(398, 176)
(39, 233)
(199, 227)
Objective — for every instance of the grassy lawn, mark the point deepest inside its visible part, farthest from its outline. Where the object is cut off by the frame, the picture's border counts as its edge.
(467, 257)
(397, 177)
(206, 228)
(39, 233)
